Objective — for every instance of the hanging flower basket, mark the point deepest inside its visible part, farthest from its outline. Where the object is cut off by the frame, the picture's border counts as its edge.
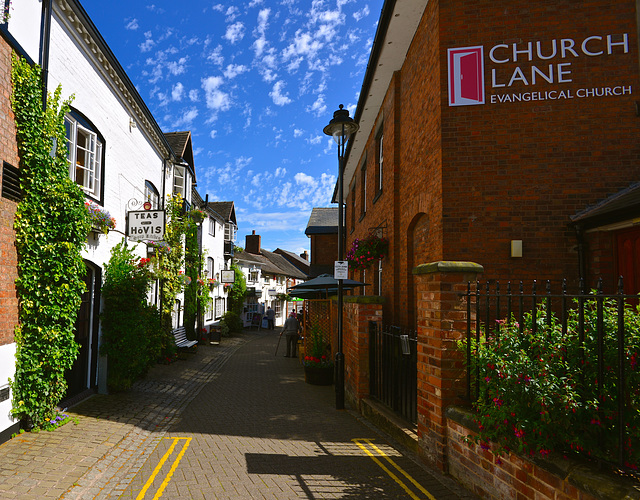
(101, 220)
(366, 251)
(159, 247)
(196, 215)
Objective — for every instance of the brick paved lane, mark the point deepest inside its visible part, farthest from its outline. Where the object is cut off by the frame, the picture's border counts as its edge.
(258, 431)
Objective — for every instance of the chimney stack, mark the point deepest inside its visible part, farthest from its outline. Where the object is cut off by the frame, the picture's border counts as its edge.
(252, 243)
(305, 255)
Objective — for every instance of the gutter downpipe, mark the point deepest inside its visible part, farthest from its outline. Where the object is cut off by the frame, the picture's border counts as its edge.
(45, 42)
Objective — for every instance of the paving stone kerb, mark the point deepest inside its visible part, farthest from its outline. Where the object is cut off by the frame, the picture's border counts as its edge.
(117, 438)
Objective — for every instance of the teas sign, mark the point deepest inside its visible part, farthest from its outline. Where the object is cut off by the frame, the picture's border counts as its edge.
(145, 225)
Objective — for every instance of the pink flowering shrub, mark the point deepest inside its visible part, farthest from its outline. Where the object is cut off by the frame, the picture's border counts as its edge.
(539, 392)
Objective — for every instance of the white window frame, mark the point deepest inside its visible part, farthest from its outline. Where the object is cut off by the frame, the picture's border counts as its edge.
(212, 226)
(179, 180)
(210, 267)
(151, 195)
(219, 307)
(210, 310)
(84, 158)
(230, 231)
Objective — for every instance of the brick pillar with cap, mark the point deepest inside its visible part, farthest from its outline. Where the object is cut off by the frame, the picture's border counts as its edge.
(441, 317)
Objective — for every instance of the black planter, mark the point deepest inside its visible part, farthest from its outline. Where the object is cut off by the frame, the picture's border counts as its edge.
(318, 375)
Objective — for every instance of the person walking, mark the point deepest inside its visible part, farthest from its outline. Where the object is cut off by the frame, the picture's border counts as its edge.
(290, 329)
(271, 316)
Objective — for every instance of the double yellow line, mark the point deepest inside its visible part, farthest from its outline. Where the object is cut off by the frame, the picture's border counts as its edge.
(159, 468)
(391, 474)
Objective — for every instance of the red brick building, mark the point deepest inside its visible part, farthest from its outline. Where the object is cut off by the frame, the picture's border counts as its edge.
(322, 229)
(9, 198)
(493, 129)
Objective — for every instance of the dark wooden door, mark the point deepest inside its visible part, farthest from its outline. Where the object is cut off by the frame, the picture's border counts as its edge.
(628, 243)
(78, 377)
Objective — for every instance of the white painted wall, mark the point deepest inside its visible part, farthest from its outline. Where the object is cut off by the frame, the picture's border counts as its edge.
(131, 154)
(24, 25)
(213, 246)
(7, 370)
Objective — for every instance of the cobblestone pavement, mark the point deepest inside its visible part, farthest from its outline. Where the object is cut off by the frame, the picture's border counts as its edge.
(231, 421)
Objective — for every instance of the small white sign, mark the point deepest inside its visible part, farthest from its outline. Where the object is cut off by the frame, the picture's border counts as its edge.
(341, 270)
(145, 225)
(227, 276)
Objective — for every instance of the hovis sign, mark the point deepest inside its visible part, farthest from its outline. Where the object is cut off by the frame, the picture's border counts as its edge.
(145, 225)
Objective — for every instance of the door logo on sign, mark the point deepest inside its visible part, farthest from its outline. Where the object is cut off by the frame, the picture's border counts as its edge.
(466, 76)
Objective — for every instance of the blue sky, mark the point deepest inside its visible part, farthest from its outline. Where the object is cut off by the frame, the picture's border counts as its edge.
(255, 81)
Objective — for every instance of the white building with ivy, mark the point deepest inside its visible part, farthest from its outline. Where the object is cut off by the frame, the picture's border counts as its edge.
(118, 155)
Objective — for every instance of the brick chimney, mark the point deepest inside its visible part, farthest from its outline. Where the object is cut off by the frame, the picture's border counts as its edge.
(252, 243)
(305, 255)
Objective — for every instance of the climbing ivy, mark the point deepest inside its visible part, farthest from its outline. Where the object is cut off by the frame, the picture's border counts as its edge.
(51, 227)
(196, 290)
(168, 262)
(238, 290)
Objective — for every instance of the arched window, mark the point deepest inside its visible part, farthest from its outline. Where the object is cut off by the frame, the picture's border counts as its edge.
(85, 146)
(151, 194)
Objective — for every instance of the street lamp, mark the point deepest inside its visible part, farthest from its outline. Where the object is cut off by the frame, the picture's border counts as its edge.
(341, 127)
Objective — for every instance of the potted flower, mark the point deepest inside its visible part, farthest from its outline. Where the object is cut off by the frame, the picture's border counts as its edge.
(366, 251)
(101, 220)
(318, 366)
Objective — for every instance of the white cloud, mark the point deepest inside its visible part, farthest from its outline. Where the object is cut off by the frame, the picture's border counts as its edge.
(235, 32)
(215, 56)
(131, 24)
(177, 92)
(213, 134)
(280, 172)
(234, 70)
(232, 13)
(315, 140)
(216, 99)
(318, 108)
(362, 13)
(194, 95)
(278, 97)
(177, 67)
(148, 44)
(186, 120)
(297, 132)
(302, 178)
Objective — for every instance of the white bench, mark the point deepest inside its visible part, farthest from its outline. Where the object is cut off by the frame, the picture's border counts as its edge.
(181, 339)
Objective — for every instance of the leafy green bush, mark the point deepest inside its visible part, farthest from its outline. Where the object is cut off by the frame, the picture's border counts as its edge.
(539, 393)
(132, 334)
(51, 226)
(232, 321)
(238, 291)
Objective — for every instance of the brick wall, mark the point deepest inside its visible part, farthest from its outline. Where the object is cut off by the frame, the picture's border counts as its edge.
(324, 249)
(358, 312)
(461, 182)
(508, 476)
(9, 154)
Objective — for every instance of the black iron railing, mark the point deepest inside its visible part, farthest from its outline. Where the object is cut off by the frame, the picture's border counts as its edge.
(393, 375)
(490, 309)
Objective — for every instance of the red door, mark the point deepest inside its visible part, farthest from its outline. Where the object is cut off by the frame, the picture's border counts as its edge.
(629, 259)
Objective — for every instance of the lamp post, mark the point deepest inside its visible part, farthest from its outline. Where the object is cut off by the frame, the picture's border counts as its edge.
(341, 127)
